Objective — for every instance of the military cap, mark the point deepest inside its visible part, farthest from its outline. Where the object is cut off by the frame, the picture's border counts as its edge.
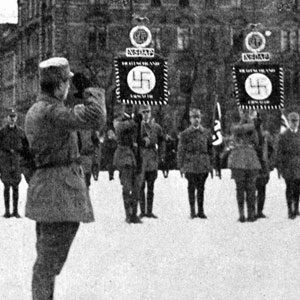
(195, 112)
(144, 107)
(293, 116)
(54, 68)
(12, 113)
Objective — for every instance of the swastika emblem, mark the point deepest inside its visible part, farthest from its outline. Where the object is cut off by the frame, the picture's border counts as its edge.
(141, 80)
(258, 86)
(140, 36)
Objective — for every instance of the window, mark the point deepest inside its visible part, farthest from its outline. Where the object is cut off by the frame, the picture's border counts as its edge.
(156, 38)
(92, 40)
(155, 3)
(101, 38)
(237, 40)
(183, 38)
(185, 82)
(30, 9)
(96, 39)
(184, 3)
(35, 7)
(50, 40)
(210, 36)
(211, 78)
(290, 40)
(296, 83)
(210, 4)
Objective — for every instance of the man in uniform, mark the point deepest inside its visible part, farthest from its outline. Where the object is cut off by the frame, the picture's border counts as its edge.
(57, 197)
(128, 160)
(288, 163)
(152, 152)
(12, 146)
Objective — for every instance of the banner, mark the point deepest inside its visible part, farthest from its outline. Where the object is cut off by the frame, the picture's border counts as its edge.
(259, 87)
(141, 80)
(217, 138)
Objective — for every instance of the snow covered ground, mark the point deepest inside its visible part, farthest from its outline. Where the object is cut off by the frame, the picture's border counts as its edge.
(172, 258)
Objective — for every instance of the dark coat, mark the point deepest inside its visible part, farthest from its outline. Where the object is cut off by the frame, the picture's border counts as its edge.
(153, 152)
(288, 155)
(194, 153)
(57, 191)
(108, 151)
(243, 155)
(89, 149)
(126, 152)
(12, 143)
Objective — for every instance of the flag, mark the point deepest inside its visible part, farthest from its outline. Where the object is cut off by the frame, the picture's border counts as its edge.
(284, 124)
(217, 134)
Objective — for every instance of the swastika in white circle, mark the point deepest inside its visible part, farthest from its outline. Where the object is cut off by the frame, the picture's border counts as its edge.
(141, 80)
(258, 86)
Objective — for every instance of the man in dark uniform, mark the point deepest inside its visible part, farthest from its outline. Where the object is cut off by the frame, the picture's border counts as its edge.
(288, 163)
(13, 141)
(128, 160)
(57, 197)
(265, 151)
(194, 158)
(244, 164)
(152, 151)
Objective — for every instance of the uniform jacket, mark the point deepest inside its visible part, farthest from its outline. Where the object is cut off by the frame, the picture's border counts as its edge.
(288, 155)
(195, 150)
(89, 149)
(153, 152)
(243, 155)
(12, 143)
(266, 154)
(109, 148)
(126, 152)
(57, 190)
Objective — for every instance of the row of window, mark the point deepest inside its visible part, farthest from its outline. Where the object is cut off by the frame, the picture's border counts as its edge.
(208, 4)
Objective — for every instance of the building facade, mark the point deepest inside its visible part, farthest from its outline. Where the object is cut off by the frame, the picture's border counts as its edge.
(202, 40)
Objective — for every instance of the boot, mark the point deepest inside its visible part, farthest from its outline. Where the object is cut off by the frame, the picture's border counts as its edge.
(150, 214)
(142, 202)
(192, 209)
(127, 209)
(6, 202)
(242, 218)
(191, 193)
(200, 214)
(291, 214)
(296, 210)
(134, 218)
(15, 203)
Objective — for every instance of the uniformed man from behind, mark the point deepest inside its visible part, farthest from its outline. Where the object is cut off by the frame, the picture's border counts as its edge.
(12, 144)
(57, 198)
(128, 160)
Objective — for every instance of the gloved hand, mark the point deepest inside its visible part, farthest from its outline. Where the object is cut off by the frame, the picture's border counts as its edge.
(138, 118)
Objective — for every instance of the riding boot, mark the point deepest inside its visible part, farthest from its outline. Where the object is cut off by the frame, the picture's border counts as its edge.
(6, 201)
(15, 202)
